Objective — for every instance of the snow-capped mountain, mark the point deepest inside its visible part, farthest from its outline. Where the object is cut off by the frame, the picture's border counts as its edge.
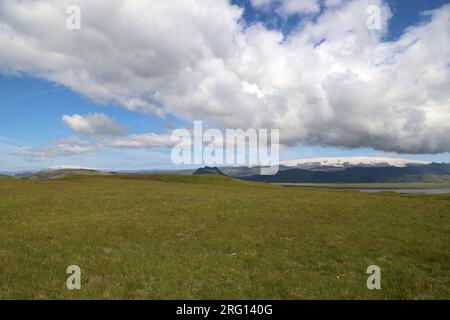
(344, 162)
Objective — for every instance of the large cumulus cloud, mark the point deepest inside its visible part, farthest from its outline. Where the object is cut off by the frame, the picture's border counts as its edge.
(331, 82)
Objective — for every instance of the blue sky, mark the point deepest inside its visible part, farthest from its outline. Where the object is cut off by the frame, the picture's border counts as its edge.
(32, 106)
(406, 13)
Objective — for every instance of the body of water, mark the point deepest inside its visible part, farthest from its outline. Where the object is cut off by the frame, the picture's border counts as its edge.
(415, 191)
(373, 190)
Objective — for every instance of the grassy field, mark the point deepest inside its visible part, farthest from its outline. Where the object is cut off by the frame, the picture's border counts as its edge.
(168, 236)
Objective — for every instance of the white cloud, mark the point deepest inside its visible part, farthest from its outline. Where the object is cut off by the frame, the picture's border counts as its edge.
(288, 8)
(332, 82)
(72, 146)
(292, 7)
(333, 3)
(61, 148)
(258, 4)
(94, 124)
(149, 140)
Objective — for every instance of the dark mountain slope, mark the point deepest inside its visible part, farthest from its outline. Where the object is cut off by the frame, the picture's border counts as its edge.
(209, 170)
(350, 175)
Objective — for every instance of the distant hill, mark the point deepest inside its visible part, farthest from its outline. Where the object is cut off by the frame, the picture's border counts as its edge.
(209, 170)
(414, 173)
(59, 173)
(320, 170)
(158, 171)
(337, 164)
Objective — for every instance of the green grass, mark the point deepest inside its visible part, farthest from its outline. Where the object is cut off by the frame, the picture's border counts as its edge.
(211, 237)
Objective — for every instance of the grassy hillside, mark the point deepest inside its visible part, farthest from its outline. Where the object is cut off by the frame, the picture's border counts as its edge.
(169, 236)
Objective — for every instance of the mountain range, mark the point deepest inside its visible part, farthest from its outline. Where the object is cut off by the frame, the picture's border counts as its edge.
(317, 170)
(347, 162)
(433, 173)
(348, 170)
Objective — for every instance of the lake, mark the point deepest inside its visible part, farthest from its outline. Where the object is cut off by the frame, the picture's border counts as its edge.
(425, 191)
(373, 189)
